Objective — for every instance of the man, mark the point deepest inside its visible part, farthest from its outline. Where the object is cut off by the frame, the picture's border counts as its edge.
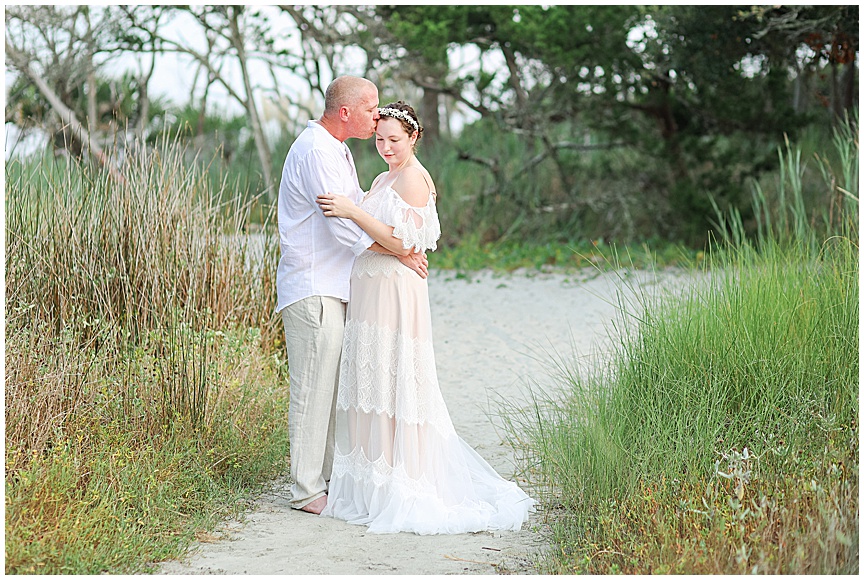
(313, 278)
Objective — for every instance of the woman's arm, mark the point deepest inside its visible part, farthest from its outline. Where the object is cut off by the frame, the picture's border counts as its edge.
(417, 261)
(342, 207)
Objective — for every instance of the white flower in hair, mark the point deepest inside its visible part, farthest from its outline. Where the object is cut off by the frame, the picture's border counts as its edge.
(390, 112)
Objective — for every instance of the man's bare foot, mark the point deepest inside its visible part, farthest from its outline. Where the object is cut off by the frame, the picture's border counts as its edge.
(315, 506)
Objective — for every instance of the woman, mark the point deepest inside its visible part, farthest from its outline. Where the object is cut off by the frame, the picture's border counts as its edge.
(399, 464)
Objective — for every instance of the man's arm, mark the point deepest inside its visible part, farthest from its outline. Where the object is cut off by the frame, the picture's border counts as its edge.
(321, 171)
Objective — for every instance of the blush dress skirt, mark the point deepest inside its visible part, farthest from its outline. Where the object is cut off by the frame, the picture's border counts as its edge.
(399, 465)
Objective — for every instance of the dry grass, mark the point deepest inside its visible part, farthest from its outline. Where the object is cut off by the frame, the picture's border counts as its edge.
(145, 389)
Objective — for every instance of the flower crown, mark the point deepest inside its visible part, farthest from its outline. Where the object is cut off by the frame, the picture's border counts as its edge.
(390, 112)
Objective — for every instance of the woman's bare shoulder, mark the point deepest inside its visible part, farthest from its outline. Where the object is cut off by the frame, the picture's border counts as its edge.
(414, 185)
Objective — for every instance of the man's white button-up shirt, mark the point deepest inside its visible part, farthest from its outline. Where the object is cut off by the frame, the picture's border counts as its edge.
(317, 252)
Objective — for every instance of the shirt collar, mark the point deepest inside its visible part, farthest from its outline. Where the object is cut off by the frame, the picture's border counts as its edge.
(341, 145)
(314, 124)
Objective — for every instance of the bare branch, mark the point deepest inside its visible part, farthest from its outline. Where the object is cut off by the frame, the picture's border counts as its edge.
(21, 62)
(492, 164)
(452, 92)
(515, 80)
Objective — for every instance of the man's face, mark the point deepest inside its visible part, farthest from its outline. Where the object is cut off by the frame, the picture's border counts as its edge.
(364, 115)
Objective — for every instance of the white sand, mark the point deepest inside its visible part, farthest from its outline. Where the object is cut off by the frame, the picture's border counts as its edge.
(494, 336)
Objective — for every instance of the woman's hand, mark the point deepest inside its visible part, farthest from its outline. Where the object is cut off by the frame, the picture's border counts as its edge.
(336, 205)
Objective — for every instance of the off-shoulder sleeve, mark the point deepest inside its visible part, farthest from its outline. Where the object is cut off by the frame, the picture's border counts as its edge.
(417, 227)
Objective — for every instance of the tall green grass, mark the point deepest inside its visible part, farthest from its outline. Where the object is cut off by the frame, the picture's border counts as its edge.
(722, 435)
(145, 394)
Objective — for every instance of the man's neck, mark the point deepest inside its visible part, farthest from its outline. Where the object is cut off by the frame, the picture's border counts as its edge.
(333, 127)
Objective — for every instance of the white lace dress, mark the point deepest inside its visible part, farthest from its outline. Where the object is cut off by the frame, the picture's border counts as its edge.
(399, 465)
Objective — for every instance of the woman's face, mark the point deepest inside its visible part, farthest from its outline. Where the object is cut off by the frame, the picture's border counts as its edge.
(394, 144)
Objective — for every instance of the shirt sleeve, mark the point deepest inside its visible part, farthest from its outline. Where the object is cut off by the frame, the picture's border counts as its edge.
(323, 172)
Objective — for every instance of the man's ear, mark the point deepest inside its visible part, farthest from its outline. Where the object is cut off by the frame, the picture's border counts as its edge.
(344, 113)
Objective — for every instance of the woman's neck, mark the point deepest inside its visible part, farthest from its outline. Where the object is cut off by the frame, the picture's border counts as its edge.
(400, 166)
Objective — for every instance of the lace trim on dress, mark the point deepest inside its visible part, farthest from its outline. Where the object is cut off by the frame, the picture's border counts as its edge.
(371, 264)
(377, 376)
(417, 227)
(380, 473)
(463, 495)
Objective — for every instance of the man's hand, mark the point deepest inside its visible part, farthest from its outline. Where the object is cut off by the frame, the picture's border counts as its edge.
(417, 262)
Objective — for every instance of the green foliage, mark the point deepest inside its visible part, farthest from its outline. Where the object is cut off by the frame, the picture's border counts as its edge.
(572, 41)
(427, 30)
(586, 257)
(699, 104)
(722, 437)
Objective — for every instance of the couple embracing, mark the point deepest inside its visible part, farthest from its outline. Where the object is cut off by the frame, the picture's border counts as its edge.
(371, 439)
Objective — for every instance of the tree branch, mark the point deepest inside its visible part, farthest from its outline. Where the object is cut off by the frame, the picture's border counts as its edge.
(22, 63)
(452, 92)
(515, 81)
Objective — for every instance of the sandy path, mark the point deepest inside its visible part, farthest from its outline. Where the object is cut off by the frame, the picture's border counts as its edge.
(488, 333)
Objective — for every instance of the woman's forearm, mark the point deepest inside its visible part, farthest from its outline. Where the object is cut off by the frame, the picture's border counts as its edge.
(340, 206)
(378, 231)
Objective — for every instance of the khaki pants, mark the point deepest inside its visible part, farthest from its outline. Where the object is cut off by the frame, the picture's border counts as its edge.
(314, 328)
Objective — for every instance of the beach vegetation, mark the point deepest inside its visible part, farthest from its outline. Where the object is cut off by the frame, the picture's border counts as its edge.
(722, 435)
(145, 385)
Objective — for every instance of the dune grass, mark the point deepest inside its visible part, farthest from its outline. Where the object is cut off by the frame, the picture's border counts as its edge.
(145, 392)
(722, 436)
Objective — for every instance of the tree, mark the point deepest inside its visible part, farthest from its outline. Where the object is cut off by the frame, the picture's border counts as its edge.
(831, 35)
(555, 59)
(56, 49)
(67, 116)
(232, 36)
(718, 86)
(68, 48)
(706, 91)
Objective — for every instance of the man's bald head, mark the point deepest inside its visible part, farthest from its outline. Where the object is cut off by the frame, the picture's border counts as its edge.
(350, 108)
(346, 91)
